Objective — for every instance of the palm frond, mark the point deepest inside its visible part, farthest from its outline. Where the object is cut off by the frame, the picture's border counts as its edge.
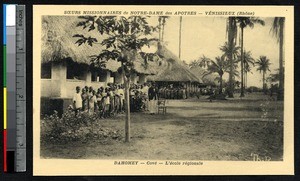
(263, 64)
(277, 24)
(249, 21)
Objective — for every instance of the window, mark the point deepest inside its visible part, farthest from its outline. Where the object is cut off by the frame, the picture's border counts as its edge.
(102, 76)
(76, 71)
(46, 70)
(94, 76)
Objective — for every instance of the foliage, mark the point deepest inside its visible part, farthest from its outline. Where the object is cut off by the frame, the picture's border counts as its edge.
(263, 64)
(201, 62)
(122, 38)
(193, 64)
(278, 32)
(233, 50)
(231, 29)
(248, 61)
(243, 22)
(231, 32)
(254, 89)
(277, 27)
(220, 96)
(162, 19)
(75, 127)
(219, 66)
(273, 78)
(162, 22)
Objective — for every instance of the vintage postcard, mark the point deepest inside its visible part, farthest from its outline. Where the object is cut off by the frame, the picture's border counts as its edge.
(163, 90)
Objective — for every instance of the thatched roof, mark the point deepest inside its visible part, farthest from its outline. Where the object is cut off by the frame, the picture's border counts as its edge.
(201, 73)
(139, 66)
(58, 44)
(173, 69)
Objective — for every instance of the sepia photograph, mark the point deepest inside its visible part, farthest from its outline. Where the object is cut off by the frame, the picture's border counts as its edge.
(161, 88)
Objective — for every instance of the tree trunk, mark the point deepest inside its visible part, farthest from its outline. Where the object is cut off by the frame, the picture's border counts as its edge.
(221, 84)
(230, 45)
(127, 108)
(280, 94)
(180, 21)
(246, 74)
(242, 63)
(159, 29)
(162, 32)
(264, 87)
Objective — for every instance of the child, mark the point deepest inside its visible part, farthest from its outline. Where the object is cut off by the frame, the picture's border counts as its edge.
(84, 97)
(112, 101)
(107, 103)
(77, 101)
(122, 97)
(117, 99)
(99, 99)
(92, 102)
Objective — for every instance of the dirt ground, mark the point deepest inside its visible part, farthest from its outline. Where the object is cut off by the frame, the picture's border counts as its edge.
(192, 129)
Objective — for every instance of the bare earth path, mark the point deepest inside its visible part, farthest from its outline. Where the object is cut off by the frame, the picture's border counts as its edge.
(193, 129)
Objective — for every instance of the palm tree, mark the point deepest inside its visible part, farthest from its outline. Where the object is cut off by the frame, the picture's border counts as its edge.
(263, 64)
(231, 31)
(248, 62)
(194, 63)
(244, 22)
(231, 53)
(163, 23)
(278, 30)
(202, 62)
(159, 28)
(219, 66)
(273, 78)
(247, 69)
(180, 26)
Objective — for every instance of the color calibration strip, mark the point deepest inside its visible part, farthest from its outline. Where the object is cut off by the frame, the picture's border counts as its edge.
(4, 90)
(14, 72)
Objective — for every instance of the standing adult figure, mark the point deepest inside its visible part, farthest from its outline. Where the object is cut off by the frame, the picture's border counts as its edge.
(145, 92)
(152, 93)
(122, 97)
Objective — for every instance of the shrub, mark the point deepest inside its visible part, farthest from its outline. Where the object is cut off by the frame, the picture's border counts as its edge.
(75, 127)
(221, 96)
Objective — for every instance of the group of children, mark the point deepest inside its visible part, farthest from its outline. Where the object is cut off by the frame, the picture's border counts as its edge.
(172, 92)
(139, 99)
(105, 101)
(110, 100)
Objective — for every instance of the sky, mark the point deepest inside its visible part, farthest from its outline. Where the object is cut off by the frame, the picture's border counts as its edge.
(205, 35)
